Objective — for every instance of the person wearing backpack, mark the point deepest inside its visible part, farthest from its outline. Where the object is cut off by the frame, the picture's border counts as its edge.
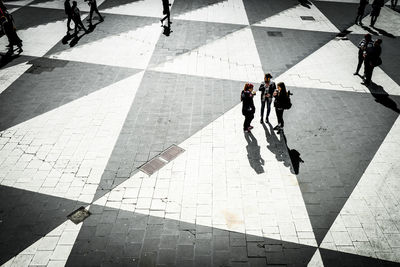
(372, 60)
(282, 102)
(267, 89)
(248, 108)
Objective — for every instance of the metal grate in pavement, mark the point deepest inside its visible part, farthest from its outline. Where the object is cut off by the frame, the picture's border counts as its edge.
(153, 165)
(79, 215)
(274, 34)
(307, 18)
(171, 153)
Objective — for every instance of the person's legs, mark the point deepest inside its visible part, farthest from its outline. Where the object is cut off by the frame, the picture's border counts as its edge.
(360, 62)
(246, 123)
(262, 110)
(269, 101)
(98, 14)
(69, 22)
(90, 15)
(368, 73)
(251, 117)
(279, 114)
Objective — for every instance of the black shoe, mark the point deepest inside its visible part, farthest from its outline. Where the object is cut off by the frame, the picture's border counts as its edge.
(261, 121)
(277, 127)
(355, 73)
(280, 131)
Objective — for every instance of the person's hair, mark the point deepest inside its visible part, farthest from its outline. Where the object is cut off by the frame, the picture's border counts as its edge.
(368, 37)
(74, 3)
(283, 88)
(248, 86)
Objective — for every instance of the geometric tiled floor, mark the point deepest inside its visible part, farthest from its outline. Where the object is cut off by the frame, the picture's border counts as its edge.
(80, 116)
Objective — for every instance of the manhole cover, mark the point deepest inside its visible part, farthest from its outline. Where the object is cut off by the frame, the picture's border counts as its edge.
(79, 215)
(275, 34)
(307, 18)
(152, 166)
(171, 153)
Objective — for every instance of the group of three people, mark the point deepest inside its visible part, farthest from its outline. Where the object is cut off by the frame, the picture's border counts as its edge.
(268, 91)
(7, 26)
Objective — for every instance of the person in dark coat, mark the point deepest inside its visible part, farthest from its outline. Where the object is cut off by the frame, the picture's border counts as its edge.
(267, 88)
(93, 8)
(372, 59)
(281, 99)
(376, 10)
(360, 11)
(68, 12)
(362, 47)
(9, 29)
(76, 16)
(166, 12)
(393, 4)
(248, 108)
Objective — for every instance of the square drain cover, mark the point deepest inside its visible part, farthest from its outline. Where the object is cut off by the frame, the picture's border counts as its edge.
(307, 18)
(171, 153)
(275, 34)
(152, 166)
(79, 215)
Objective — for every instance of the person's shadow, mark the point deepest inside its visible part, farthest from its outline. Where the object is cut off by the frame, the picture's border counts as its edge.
(6, 58)
(167, 30)
(291, 159)
(382, 97)
(253, 153)
(384, 33)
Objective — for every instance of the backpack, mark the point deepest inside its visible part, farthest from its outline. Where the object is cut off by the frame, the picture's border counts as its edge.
(288, 103)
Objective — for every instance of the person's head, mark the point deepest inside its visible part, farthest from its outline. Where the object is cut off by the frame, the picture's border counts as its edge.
(282, 87)
(248, 87)
(377, 42)
(74, 3)
(267, 77)
(368, 37)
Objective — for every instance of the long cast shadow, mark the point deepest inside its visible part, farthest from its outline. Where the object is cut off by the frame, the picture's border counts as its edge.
(382, 97)
(253, 153)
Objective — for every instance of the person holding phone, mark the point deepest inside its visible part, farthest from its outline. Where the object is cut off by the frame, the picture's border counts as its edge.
(281, 100)
(267, 89)
(248, 108)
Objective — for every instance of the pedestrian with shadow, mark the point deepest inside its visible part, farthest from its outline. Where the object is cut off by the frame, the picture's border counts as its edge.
(376, 10)
(76, 16)
(253, 153)
(166, 12)
(248, 108)
(93, 8)
(372, 60)
(69, 13)
(360, 12)
(365, 43)
(281, 103)
(267, 89)
(9, 29)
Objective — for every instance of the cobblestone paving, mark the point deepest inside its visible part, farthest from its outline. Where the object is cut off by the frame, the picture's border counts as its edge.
(80, 115)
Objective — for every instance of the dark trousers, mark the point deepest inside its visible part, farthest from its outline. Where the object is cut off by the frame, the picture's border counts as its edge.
(78, 24)
(368, 69)
(373, 20)
(92, 10)
(360, 62)
(393, 3)
(279, 115)
(248, 117)
(268, 101)
(69, 21)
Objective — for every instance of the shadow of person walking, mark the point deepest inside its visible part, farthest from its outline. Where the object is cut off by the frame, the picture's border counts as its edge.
(294, 157)
(253, 153)
(382, 97)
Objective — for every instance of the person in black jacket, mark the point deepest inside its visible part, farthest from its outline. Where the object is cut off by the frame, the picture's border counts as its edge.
(362, 47)
(376, 10)
(281, 100)
(372, 59)
(360, 11)
(68, 12)
(248, 108)
(267, 88)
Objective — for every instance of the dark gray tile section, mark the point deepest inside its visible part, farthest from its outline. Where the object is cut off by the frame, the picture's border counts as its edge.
(27, 17)
(168, 108)
(25, 217)
(183, 6)
(258, 10)
(280, 49)
(111, 237)
(50, 83)
(337, 134)
(187, 36)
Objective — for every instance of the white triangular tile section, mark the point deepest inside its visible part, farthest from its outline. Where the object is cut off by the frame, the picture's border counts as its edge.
(59, 4)
(11, 10)
(331, 67)
(368, 224)
(230, 11)
(146, 8)
(233, 57)
(291, 19)
(10, 74)
(37, 41)
(64, 152)
(53, 248)
(131, 49)
(214, 183)
(316, 260)
(388, 20)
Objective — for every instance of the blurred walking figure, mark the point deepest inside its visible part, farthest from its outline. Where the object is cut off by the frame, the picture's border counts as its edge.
(166, 12)
(76, 16)
(248, 108)
(393, 4)
(372, 60)
(360, 12)
(9, 29)
(93, 8)
(376, 10)
(69, 13)
(362, 48)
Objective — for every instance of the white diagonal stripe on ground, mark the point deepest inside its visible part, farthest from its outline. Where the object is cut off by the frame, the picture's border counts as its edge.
(10, 74)
(316, 260)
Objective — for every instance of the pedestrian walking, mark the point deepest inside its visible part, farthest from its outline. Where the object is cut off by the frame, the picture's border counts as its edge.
(362, 48)
(248, 108)
(376, 10)
(267, 89)
(360, 11)
(393, 4)
(281, 103)
(68, 12)
(166, 12)
(9, 29)
(93, 8)
(372, 60)
(76, 16)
